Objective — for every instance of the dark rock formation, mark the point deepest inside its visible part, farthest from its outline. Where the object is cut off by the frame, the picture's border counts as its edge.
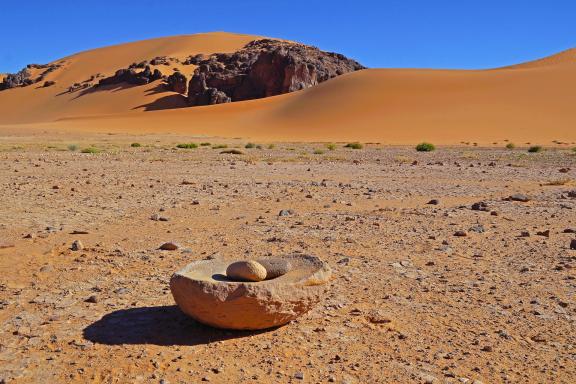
(13, 80)
(177, 82)
(48, 84)
(130, 76)
(200, 94)
(263, 68)
(24, 78)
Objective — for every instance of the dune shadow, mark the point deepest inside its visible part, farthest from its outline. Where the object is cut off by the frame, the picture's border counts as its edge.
(162, 325)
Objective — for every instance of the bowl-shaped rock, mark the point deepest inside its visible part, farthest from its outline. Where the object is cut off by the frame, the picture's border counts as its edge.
(203, 292)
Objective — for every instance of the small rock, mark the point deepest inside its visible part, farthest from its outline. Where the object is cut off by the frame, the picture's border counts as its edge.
(480, 206)
(434, 202)
(460, 234)
(169, 246)
(275, 267)
(299, 375)
(478, 228)
(246, 271)
(77, 245)
(285, 212)
(92, 299)
(519, 197)
(573, 244)
(545, 233)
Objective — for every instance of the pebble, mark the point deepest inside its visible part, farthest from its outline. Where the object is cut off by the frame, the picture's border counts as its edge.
(299, 375)
(573, 244)
(246, 271)
(285, 212)
(460, 234)
(519, 197)
(545, 233)
(434, 202)
(77, 245)
(92, 299)
(480, 206)
(169, 246)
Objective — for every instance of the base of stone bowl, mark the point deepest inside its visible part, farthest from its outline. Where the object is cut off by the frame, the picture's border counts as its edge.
(203, 292)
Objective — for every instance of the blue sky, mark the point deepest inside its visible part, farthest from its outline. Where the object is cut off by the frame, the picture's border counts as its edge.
(398, 33)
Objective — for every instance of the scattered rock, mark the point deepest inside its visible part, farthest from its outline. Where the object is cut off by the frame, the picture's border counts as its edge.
(545, 233)
(480, 206)
(285, 212)
(460, 234)
(519, 197)
(573, 244)
(246, 271)
(169, 246)
(77, 245)
(434, 202)
(92, 299)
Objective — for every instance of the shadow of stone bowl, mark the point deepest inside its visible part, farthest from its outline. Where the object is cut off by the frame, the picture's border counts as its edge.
(162, 325)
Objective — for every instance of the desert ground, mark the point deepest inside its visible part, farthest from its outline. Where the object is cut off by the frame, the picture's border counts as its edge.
(421, 292)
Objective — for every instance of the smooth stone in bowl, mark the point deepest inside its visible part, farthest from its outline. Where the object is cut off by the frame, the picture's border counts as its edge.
(203, 292)
(246, 271)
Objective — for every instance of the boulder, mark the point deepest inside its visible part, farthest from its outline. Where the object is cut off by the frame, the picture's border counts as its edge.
(177, 82)
(131, 76)
(203, 292)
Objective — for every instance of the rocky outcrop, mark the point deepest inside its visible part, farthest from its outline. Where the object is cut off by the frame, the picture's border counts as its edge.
(203, 292)
(131, 76)
(177, 82)
(263, 68)
(24, 77)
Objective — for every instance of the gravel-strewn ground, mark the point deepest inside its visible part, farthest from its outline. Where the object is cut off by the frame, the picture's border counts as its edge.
(409, 302)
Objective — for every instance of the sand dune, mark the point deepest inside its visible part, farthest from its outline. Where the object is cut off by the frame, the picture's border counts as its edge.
(531, 102)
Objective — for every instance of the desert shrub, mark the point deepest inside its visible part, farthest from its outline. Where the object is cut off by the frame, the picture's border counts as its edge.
(90, 150)
(259, 146)
(219, 146)
(72, 147)
(271, 146)
(187, 145)
(205, 144)
(318, 152)
(425, 147)
(232, 152)
(510, 146)
(331, 146)
(135, 145)
(574, 149)
(535, 149)
(250, 145)
(355, 145)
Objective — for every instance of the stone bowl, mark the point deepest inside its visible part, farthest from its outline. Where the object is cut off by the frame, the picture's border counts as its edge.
(203, 292)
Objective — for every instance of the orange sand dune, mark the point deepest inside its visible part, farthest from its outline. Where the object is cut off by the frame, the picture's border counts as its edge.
(526, 103)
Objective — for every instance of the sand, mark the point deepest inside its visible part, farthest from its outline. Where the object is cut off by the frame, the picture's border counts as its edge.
(526, 103)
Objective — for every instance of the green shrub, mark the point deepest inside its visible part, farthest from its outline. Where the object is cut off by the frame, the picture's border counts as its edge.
(331, 147)
(90, 150)
(206, 144)
(510, 146)
(355, 145)
(219, 146)
(187, 145)
(271, 146)
(250, 145)
(72, 147)
(574, 149)
(535, 149)
(425, 147)
(318, 152)
(135, 145)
